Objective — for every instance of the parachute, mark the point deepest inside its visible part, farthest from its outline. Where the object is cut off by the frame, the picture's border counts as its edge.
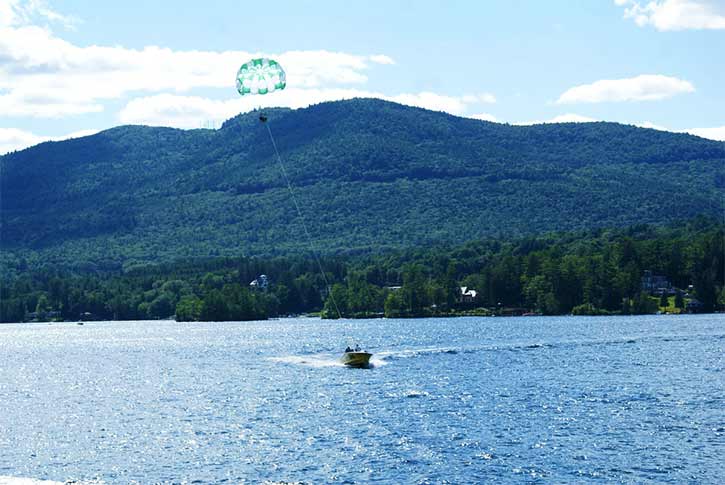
(260, 76)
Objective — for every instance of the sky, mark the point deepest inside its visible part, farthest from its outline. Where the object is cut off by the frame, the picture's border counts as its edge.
(75, 67)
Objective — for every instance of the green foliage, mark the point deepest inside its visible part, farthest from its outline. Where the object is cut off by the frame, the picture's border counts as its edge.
(643, 304)
(214, 308)
(588, 309)
(539, 295)
(42, 305)
(587, 273)
(369, 175)
(189, 309)
(394, 306)
(708, 268)
(357, 299)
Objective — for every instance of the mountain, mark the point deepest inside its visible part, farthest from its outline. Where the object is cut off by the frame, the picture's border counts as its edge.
(367, 175)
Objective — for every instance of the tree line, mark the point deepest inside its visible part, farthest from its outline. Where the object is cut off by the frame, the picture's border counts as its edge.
(594, 272)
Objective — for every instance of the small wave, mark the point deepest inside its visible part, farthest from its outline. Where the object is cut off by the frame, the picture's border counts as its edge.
(416, 393)
(309, 360)
(5, 480)
(26, 481)
(282, 483)
(392, 355)
(408, 394)
(411, 353)
(536, 346)
(562, 344)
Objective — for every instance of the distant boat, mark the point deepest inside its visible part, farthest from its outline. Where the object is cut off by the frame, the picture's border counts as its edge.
(356, 357)
(79, 323)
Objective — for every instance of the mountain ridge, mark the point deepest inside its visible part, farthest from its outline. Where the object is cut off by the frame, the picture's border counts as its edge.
(368, 173)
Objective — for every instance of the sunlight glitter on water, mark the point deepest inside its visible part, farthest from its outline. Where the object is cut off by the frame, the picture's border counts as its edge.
(467, 400)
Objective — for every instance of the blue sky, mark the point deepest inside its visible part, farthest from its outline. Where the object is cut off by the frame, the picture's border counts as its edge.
(73, 67)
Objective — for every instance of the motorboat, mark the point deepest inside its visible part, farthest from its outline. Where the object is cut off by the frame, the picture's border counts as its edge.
(356, 357)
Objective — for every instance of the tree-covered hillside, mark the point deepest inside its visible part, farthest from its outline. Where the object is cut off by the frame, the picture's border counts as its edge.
(587, 272)
(368, 174)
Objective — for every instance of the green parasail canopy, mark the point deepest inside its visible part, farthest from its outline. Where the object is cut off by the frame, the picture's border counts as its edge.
(260, 76)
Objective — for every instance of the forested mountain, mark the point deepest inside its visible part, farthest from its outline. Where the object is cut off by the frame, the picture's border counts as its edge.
(368, 175)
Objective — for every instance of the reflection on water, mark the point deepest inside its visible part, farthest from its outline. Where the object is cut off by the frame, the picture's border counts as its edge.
(564, 400)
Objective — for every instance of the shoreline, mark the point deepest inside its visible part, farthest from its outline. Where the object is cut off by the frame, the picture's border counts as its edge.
(382, 317)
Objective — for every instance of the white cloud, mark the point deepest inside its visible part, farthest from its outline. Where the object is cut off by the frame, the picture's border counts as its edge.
(564, 118)
(670, 15)
(75, 134)
(43, 75)
(17, 12)
(382, 59)
(194, 111)
(646, 87)
(571, 118)
(649, 124)
(8, 16)
(180, 111)
(715, 133)
(436, 102)
(15, 139)
(483, 117)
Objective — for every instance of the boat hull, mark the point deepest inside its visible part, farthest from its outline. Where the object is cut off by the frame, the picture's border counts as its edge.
(356, 359)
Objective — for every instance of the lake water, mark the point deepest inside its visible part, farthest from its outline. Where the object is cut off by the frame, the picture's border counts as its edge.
(464, 400)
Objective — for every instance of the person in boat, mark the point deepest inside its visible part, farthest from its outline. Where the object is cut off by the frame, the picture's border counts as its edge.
(357, 348)
(348, 349)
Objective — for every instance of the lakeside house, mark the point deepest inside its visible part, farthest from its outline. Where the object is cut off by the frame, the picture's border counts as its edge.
(468, 295)
(261, 282)
(655, 284)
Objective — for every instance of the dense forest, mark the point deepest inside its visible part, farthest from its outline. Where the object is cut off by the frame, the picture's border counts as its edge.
(369, 175)
(587, 272)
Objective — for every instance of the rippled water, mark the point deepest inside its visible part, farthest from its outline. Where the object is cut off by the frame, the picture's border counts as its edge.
(465, 400)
